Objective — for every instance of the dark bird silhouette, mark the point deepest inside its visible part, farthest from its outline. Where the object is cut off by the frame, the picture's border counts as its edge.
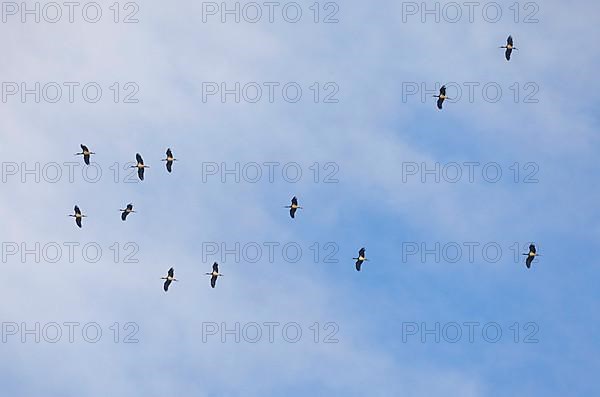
(215, 274)
(530, 255)
(170, 277)
(140, 166)
(169, 159)
(86, 154)
(361, 258)
(78, 216)
(128, 210)
(293, 207)
(441, 97)
(509, 48)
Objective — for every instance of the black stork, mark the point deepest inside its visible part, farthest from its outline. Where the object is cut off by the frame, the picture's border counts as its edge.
(215, 274)
(86, 154)
(140, 166)
(509, 47)
(170, 277)
(441, 97)
(78, 216)
(530, 255)
(128, 210)
(293, 207)
(361, 258)
(169, 160)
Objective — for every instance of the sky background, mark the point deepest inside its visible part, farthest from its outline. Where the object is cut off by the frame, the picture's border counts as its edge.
(372, 55)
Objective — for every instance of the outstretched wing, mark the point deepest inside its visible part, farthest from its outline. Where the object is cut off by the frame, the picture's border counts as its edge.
(216, 267)
(528, 261)
(77, 210)
(509, 41)
(141, 174)
(294, 201)
(171, 272)
(507, 53)
(169, 165)
(124, 215)
(358, 263)
(78, 221)
(139, 159)
(166, 285)
(292, 212)
(213, 281)
(361, 252)
(439, 103)
(86, 159)
(532, 249)
(84, 148)
(443, 90)
(169, 153)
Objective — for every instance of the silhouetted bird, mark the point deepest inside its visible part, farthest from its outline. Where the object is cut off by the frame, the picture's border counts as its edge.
(170, 277)
(78, 216)
(361, 258)
(86, 154)
(509, 47)
(215, 274)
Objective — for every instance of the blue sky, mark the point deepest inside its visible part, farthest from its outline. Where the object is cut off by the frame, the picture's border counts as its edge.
(371, 55)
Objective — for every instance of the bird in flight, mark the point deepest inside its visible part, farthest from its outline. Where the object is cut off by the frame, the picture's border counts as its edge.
(530, 255)
(86, 154)
(170, 277)
(128, 210)
(361, 258)
(78, 216)
(509, 47)
(215, 274)
(293, 207)
(441, 97)
(140, 166)
(169, 159)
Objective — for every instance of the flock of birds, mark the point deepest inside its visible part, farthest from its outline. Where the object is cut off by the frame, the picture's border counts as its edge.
(293, 207)
(509, 49)
(170, 277)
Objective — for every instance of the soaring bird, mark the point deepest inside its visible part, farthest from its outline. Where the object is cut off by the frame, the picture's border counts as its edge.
(128, 210)
(361, 258)
(86, 154)
(509, 47)
(78, 215)
(530, 256)
(170, 277)
(169, 159)
(293, 207)
(441, 97)
(140, 166)
(215, 273)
